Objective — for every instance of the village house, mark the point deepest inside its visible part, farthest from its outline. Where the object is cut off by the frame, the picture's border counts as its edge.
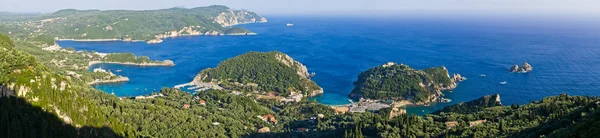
(269, 118)
(451, 124)
(202, 102)
(477, 122)
(264, 130)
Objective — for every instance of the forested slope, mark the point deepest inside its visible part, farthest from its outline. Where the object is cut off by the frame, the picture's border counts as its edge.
(35, 101)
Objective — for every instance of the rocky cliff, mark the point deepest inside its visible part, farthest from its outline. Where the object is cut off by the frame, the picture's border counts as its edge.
(235, 17)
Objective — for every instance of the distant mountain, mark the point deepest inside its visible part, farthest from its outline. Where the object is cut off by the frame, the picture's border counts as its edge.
(130, 25)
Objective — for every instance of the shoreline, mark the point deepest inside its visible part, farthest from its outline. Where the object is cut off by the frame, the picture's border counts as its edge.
(165, 63)
(153, 41)
(117, 80)
(100, 40)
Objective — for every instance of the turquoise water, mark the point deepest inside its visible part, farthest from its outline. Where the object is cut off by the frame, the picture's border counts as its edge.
(565, 54)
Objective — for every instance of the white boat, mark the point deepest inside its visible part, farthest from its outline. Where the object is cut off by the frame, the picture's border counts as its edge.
(482, 75)
(504, 82)
(289, 24)
(119, 70)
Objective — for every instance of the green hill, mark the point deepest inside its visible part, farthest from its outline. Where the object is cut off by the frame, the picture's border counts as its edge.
(36, 101)
(393, 81)
(271, 71)
(129, 25)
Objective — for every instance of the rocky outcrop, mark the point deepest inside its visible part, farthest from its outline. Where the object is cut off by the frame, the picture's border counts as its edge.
(316, 92)
(213, 33)
(6, 92)
(526, 67)
(228, 17)
(454, 80)
(154, 41)
(514, 68)
(301, 70)
(235, 17)
(290, 62)
(396, 112)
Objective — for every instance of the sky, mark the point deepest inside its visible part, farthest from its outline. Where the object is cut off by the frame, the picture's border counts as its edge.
(314, 6)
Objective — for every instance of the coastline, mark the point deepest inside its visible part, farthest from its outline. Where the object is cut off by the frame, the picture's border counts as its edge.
(167, 63)
(100, 40)
(153, 42)
(120, 79)
(159, 38)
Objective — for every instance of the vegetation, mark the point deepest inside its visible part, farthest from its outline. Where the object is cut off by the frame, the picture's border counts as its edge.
(237, 30)
(473, 106)
(74, 64)
(439, 75)
(126, 57)
(270, 70)
(71, 101)
(122, 24)
(38, 101)
(399, 82)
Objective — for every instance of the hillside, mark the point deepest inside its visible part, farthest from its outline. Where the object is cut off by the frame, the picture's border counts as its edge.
(474, 105)
(264, 72)
(27, 86)
(39, 101)
(393, 81)
(129, 25)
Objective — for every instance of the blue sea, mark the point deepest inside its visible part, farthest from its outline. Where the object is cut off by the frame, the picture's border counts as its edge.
(564, 52)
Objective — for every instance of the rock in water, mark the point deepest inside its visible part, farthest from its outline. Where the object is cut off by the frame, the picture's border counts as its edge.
(526, 67)
(514, 68)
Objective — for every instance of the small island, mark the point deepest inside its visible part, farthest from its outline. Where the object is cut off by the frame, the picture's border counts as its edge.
(523, 69)
(400, 85)
(271, 75)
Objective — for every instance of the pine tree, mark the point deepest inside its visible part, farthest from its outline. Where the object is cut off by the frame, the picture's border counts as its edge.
(501, 126)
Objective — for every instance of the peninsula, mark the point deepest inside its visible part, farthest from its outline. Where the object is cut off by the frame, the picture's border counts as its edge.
(404, 85)
(268, 74)
(128, 25)
(130, 59)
